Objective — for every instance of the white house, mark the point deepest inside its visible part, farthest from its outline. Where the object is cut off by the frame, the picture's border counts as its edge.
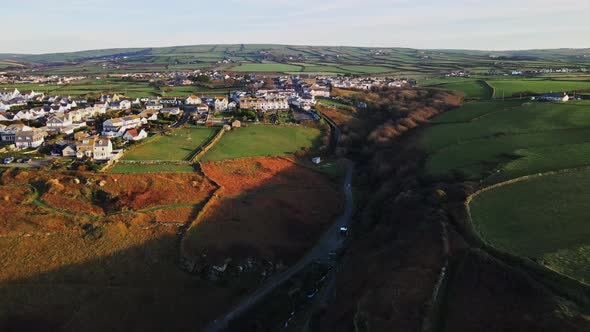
(135, 135)
(148, 116)
(103, 148)
(58, 122)
(221, 104)
(10, 131)
(118, 126)
(69, 151)
(170, 111)
(202, 109)
(29, 138)
(318, 91)
(120, 105)
(193, 100)
(151, 106)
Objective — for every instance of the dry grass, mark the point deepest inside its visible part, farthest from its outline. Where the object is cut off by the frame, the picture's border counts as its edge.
(269, 208)
(82, 269)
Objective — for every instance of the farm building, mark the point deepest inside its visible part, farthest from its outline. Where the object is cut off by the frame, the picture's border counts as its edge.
(559, 97)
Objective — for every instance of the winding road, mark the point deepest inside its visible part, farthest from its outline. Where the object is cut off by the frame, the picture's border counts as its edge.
(330, 242)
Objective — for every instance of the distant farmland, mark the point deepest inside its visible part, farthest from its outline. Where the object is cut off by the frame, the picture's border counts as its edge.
(515, 87)
(266, 67)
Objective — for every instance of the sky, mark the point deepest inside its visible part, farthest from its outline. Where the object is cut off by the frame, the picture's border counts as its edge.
(47, 26)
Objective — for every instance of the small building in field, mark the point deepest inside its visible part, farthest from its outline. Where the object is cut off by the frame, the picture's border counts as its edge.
(556, 97)
(236, 124)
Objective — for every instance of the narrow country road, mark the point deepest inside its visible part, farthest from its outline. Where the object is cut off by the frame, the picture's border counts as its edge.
(183, 119)
(331, 241)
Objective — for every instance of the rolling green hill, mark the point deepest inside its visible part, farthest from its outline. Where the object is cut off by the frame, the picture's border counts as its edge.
(286, 58)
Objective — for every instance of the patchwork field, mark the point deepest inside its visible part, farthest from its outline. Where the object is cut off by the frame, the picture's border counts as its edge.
(544, 218)
(179, 145)
(255, 141)
(266, 67)
(493, 141)
(267, 207)
(473, 89)
(514, 87)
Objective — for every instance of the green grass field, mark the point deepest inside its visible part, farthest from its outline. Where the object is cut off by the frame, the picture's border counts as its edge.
(473, 89)
(544, 218)
(155, 168)
(263, 141)
(473, 110)
(514, 87)
(179, 145)
(500, 140)
(266, 67)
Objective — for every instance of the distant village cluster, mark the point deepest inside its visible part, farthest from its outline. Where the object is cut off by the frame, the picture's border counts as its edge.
(94, 124)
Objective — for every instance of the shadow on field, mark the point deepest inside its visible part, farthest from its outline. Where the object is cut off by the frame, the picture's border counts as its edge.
(138, 289)
(127, 276)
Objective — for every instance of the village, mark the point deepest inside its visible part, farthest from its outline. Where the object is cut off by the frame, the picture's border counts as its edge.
(100, 129)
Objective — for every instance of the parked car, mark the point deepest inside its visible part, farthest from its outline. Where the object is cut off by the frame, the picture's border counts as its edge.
(27, 160)
(19, 161)
(8, 160)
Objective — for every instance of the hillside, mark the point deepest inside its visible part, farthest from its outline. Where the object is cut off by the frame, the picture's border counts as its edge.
(287, 58)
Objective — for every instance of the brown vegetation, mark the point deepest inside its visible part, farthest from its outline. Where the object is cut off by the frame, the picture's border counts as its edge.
(77, 255)
(405, 237)
(94, 195)
(268, 208)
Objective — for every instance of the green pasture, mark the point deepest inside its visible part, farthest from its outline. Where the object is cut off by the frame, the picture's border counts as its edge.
(545, 218)
(496, 141)
(179, 145)
(262, 140)
(123, 168)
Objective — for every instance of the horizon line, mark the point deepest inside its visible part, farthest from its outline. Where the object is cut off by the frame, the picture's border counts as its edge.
(298, 45)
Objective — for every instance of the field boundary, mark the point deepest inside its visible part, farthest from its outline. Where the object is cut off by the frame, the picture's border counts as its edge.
(204, 148)
(493, 95)
(559, 283)
(187, 261)
(153, 162)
